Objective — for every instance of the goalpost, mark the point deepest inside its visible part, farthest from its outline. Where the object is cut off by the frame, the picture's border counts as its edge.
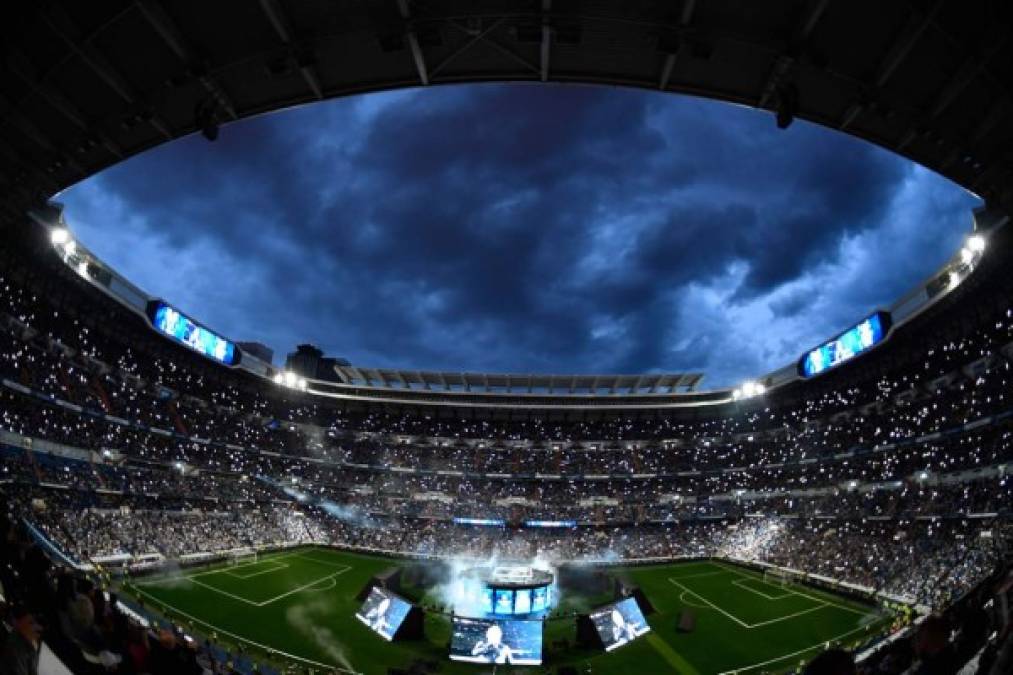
(242, 556)
(776, 576)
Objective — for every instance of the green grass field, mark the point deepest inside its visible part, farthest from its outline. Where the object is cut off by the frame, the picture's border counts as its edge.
(301, 603)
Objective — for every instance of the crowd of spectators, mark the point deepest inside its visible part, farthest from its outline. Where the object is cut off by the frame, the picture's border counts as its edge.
(890, 474)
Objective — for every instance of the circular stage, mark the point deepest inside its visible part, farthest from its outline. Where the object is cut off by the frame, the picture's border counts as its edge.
(514, 590)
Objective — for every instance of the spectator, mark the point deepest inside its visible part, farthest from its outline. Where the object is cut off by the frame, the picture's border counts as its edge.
(21, 649)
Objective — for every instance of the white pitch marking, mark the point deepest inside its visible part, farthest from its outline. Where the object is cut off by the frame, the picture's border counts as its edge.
(242, 639)
(804, 595)
(790, 616)
(302, 588)
(744, 669)
(154, 581)
(738, 582)
(711, 604)
(701, 574)
(682, 597)
(320, 562)
(740, 621)
(231, 595)
(280, 566)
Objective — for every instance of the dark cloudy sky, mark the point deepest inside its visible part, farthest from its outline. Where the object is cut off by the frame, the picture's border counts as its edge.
(525, 228)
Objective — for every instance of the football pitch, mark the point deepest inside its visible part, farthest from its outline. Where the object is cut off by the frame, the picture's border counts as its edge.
(301, 604)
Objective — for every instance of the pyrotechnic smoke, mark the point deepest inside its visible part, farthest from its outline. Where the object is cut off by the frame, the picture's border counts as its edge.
(173, 577)
(464, 591)
(348, 514)
(311, 619)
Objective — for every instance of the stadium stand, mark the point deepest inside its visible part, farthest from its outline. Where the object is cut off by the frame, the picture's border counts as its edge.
(126, 453)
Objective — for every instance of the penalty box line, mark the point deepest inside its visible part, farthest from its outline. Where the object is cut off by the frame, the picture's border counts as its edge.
(742, 623)
(846, 608)
(741, 584)
(277, 566)
(155, 581)
(276, 598)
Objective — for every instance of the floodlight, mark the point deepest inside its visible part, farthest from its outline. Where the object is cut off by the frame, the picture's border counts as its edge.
(278, 378)
(290, 378)
(966, 255)
(976, 243)
(59, 236)
(748, 390)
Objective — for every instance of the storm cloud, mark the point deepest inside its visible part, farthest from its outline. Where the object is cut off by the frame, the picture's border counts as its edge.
(525, 228)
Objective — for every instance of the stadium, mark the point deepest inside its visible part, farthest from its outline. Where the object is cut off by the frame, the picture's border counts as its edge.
(174, 501)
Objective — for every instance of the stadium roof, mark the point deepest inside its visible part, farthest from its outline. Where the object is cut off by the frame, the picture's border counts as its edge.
(499, 383)
(87, 84)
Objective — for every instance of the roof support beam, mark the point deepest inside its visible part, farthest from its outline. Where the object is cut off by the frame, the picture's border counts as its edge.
(784, 63)
(475, 39)
(684, 19)
(546, 49)
(276, 15)
(173, 37)
(22, 67)
(413, 43)
(26, 128)
(63, 26)
(915, 28)
(902, 48)
(505, 51)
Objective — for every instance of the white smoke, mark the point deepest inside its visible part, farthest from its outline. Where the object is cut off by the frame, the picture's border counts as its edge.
(464, 591)
(171, 577)
(311, 619)
(348, 514)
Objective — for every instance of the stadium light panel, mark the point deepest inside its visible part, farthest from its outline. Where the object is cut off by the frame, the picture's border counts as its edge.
(976, 243)
(966, 256)
(59, 236)
(749, 390)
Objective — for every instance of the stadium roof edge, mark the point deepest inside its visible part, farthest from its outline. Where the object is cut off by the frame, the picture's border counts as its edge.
(88, 85)
(506, 383)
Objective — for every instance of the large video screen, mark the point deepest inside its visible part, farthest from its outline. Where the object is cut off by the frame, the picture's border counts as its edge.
(540, 599)
(517, 643)
(619, 623)
(848, 344)
(181, 328)
(383, 612)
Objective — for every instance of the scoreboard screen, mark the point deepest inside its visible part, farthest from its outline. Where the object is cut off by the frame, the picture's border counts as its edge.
(383, 612)
(181, 328)
(619, 623)
(847, 345)
(513, 642)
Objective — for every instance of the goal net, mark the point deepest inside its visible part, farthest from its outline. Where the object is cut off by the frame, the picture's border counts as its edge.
(778, 577)
(242, 556)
